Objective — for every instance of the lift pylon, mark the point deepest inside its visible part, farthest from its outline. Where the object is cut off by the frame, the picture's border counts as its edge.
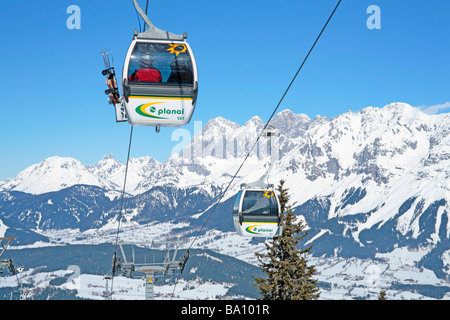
(130, 268)
(6, 264)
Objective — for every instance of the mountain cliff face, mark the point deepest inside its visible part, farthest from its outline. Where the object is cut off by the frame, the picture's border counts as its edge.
(366, 182)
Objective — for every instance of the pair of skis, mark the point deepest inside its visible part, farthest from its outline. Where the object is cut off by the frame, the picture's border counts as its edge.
(111, 80)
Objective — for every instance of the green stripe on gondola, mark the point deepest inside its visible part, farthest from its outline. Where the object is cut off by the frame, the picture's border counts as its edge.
(141, 110)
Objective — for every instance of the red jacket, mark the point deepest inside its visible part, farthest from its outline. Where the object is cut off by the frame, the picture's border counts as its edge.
(149, 75)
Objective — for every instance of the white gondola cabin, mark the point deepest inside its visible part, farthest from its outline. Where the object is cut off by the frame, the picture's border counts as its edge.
(256, 213)
(159, 79)
(257, 209)
(159, 83)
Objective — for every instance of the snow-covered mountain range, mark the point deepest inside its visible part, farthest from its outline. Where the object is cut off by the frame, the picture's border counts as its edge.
(366, 182)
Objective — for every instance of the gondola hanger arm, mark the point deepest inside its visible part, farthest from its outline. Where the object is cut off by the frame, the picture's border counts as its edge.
(153, 32)
(268, 132)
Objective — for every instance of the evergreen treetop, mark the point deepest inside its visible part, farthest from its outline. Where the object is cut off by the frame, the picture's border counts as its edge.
(289, 277)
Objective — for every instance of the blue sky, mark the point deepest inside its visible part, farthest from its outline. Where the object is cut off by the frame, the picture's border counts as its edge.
(53, 101)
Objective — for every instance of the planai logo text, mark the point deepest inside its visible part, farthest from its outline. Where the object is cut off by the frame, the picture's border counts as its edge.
(142, 110)
(257, 229)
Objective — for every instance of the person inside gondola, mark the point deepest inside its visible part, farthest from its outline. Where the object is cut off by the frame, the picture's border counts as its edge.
(256, 203)
(181, 73)
(147, 72)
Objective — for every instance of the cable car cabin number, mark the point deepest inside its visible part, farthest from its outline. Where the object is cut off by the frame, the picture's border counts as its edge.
(159, 80)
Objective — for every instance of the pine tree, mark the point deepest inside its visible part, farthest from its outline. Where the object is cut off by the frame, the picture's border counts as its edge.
(288, 275)
(382, 295)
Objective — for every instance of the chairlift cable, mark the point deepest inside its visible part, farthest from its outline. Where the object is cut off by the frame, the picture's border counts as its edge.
(267, 123)
(124, 186)
(121, 208)
(147, 37)
(146, 10)
(137, 15)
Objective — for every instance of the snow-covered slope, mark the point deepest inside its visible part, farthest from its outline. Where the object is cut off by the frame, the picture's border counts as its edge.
(374, 160)
(368, 184)
(53, 174)
(139, 172)
(391, 154)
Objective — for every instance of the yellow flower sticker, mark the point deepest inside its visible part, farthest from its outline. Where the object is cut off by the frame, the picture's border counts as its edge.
(177, 48)
(268, 194)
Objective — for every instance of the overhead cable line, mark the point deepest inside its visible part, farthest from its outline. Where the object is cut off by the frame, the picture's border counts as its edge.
(146, 10)
(121, 210)
(265, 126)
(243, 162)
(137, 15)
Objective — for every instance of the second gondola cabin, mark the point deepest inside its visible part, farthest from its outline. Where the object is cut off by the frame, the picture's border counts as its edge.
(160, 83)
(256, 213)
